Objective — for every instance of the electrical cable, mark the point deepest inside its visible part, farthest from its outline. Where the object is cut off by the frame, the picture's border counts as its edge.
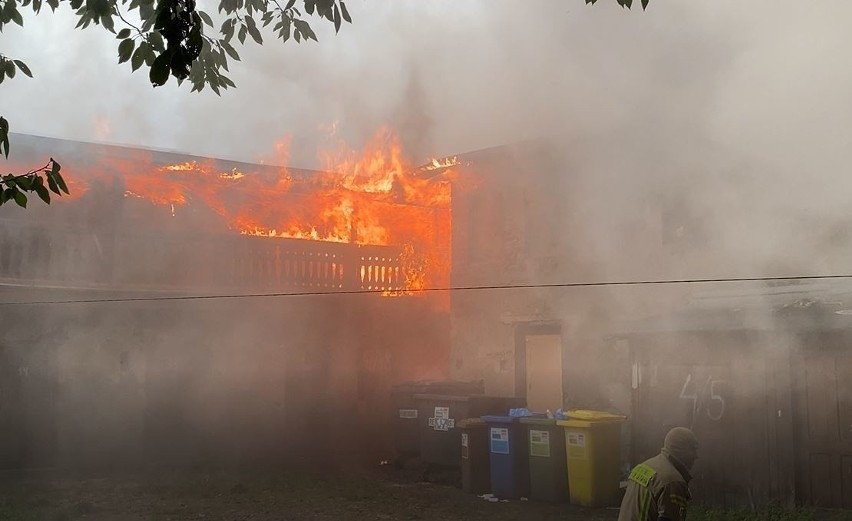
(425, 290)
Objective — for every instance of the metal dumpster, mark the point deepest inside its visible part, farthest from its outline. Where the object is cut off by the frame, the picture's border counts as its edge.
(404, 412)
(440, 437)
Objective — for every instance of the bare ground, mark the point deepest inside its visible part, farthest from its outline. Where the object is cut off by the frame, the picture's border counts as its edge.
(362, 495)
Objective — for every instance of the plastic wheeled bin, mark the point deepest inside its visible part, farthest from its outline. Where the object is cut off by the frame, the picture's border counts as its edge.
(593, 450)
(548, 464)
(475, 462)
(404, 412)
(510, 471)
(440, 438)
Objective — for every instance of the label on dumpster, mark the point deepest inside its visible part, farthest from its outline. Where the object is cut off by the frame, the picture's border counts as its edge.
(408, 414)
(539, 443)
(576, 445)
(499, 440)
(442, 420)
(465, 449)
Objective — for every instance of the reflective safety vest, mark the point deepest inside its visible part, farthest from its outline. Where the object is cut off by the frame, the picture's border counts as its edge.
(656, 490)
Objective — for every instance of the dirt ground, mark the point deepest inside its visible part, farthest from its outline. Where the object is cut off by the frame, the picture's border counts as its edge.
(383, 493)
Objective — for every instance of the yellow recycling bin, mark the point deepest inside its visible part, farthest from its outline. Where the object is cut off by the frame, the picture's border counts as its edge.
(593, 448)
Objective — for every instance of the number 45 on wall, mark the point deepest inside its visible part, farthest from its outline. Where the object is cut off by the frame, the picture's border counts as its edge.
(707, 399)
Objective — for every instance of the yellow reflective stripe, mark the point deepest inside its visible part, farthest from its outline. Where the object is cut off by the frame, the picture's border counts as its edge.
(645, 505)
(642, 474)
(679, 500)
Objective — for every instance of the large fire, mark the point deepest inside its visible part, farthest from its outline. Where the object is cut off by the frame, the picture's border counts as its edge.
(373, 196)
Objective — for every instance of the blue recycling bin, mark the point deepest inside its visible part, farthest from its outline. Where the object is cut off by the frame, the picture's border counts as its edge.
(510, 470)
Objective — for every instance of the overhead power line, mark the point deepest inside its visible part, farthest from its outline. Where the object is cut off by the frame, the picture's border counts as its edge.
(162, 298)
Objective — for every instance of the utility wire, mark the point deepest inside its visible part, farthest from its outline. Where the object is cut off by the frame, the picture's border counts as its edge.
(428, 290)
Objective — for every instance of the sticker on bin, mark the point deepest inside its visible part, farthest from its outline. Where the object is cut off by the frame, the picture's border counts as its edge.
(442, 420)
(539, 443)
(576, 445)
(408, 414)
(499, 440)
(465, 445)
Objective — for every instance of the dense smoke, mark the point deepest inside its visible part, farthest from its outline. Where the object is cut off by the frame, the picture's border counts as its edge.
(715, 132)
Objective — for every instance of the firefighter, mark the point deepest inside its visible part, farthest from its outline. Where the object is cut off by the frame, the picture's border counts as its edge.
(658, 489)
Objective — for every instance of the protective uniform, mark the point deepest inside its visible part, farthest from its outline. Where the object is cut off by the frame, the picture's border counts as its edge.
(658, 489)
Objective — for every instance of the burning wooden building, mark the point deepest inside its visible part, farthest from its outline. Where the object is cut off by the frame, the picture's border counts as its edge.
(204, 310)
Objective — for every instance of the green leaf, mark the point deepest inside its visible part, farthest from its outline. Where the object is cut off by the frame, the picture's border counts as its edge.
(54, 4)
(125, 50)
(4, 136)
(159, 74)
(336, 19)
(138, 57)
(156, 41)
(9, 66)
(60, 181)
(51, 183)
(206, 17)
(20, 198)
(345, 12)
(23, 68)
(150, 55)
(284, 34)
(122, 34)
(242, 34)
(309, 6)
(108, 23)
(255, 35)
(42, 192)
(24, 183)
(290, 5)
(305, 29)
(644, 4)
(17, 18)
(7, 194)
(36, 6)
(231, 51)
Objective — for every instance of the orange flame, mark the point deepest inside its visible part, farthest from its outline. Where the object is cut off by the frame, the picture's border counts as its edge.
(372, 196)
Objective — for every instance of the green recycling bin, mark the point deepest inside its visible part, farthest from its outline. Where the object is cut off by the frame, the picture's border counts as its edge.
(548, 464)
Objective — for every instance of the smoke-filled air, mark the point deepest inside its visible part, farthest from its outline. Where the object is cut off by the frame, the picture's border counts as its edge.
(552, 259)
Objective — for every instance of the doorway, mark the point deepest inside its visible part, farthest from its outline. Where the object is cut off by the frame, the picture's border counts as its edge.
(539, 370)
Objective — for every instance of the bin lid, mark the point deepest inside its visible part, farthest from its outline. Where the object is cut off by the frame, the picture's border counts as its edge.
(534, 420)
(499, 419)
(462, 397)
(442, 397)
(439, 387)
(593, 416)
(471, 423)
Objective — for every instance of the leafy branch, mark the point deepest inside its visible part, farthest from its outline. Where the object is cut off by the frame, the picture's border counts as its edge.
(624, 3)
(16, 187)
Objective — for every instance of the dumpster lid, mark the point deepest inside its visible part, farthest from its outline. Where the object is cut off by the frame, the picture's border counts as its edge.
(499, 419)
(439, 386)
(535, 420)
(460, 397)
(593, 416)
(442, 397)
(469, 423)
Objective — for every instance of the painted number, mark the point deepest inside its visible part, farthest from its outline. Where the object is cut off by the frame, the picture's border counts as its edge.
(708, 399)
